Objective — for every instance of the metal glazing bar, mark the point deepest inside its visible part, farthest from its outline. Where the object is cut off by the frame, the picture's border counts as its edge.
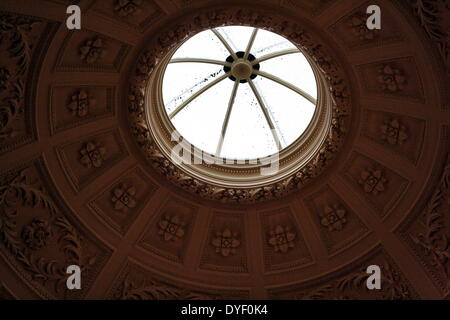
(266, 113)
(200, 60)
(286, 84)
(275, 55)
(250, 43)
(195, 95)
(225, 43)
(227, 118)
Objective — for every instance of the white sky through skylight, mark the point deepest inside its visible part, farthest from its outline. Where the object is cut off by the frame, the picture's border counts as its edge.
(247, 134)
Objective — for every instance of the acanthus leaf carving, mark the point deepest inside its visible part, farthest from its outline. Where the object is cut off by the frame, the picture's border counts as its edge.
(435, 241)
(14, 28)
(19, 190)
(156, 291)
(344, 288)
(428, 14)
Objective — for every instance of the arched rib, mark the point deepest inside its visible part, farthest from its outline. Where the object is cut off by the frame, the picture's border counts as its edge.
(227, 118)
(286, 84)
(225, 43)
(250, 43)
(275, 55)
(200, 60)
(266, 113)
(195, 95)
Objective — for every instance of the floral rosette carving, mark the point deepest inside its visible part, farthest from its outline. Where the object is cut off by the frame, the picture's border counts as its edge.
(92, 50)
(171, 228)
(325, 63)
(333, 218)
(92, 155)
(393, 132)
(226, 242)
(282, 239)
(123, 197)
(36, 234)
(126, 8)
(80, 102)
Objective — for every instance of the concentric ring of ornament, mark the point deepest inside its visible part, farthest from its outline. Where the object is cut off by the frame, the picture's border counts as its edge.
(324, 61)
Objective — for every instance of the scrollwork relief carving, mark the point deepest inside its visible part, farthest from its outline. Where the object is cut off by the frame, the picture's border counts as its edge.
(429, 15)
(18, 190)
(346, 287)
(156, 291)
(435, 240)
(14, 29)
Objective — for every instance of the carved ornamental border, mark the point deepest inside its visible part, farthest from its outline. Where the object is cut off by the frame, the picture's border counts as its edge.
(170, 37)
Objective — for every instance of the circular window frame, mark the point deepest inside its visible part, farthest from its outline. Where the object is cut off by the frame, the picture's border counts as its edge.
(245, 174)
(302, 138)
(301, 161)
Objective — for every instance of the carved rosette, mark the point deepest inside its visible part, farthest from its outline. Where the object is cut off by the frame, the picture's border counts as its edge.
(323, 61)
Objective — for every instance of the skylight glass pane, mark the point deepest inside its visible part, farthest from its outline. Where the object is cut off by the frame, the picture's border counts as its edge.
(248, 135)
(201, 121)
(236, 36)
(293, 68)
(268, 42)
(182, 80)
(292, 116)
(203, 45)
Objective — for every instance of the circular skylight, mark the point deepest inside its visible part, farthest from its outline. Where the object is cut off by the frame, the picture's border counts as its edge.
(239, 92)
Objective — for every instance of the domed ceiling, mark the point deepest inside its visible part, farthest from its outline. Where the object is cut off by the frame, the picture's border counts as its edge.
(85, 178)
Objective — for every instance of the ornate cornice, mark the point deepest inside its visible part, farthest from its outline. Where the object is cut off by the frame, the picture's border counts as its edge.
(323, 61)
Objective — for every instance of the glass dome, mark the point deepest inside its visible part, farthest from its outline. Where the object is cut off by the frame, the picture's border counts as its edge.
(239, 92)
